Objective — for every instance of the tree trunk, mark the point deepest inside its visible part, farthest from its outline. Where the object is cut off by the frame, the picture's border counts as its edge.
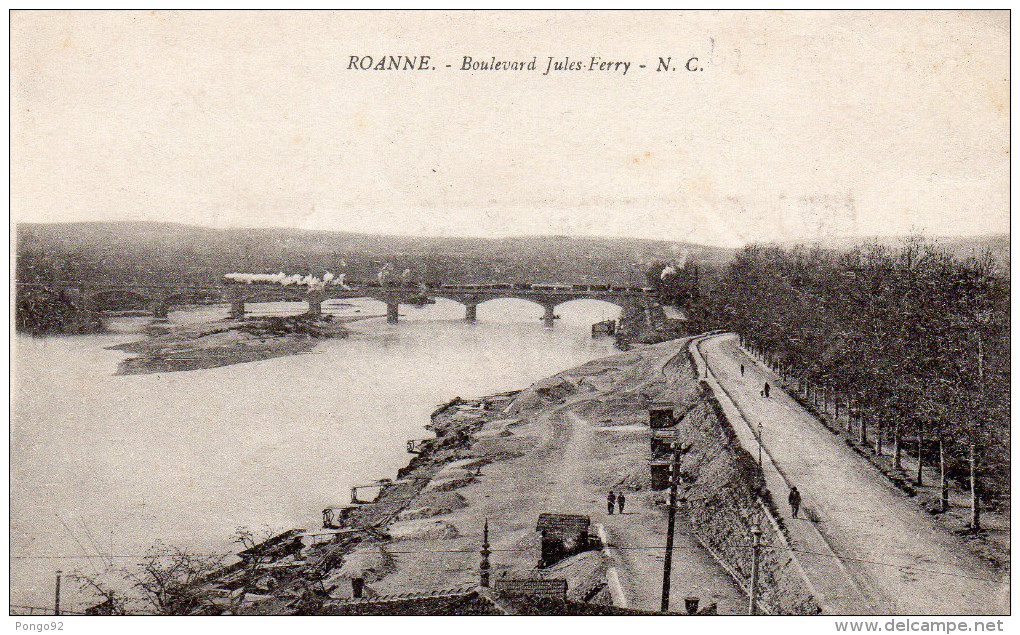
(975, 501)
(879, 431)
(863, 426)
(920, 455)
(943, 481)
(897, 449)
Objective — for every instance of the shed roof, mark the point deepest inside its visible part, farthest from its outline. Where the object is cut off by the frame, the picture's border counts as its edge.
(473, 602)
(532, 587)
(563, 522)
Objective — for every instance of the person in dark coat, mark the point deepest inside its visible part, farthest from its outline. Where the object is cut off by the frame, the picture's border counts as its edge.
(766, 391)
(741, 370)
(611, 502)
(794, 500)
(621, 500)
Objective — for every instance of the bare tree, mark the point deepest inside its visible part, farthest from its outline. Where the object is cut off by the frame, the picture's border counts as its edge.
(254, 555)
(168, 578)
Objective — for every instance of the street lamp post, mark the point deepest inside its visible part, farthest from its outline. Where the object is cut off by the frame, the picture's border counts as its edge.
(760, 464)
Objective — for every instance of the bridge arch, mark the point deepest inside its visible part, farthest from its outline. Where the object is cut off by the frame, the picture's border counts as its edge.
(613, 302)
(97, 299)
(519, 298)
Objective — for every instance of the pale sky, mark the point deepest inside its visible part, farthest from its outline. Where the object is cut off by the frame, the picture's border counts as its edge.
(800, 126)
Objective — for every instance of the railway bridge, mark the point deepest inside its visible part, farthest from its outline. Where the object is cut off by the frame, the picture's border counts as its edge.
(160, 297)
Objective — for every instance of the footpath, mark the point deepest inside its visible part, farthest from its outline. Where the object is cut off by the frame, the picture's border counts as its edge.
(863, 545)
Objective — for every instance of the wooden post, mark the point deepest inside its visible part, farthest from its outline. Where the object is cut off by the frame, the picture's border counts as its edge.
(56, 595)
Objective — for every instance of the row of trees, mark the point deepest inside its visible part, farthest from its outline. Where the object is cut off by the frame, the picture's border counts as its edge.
(909, 341)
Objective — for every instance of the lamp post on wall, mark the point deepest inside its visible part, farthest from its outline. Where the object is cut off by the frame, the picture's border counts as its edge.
(760, 464)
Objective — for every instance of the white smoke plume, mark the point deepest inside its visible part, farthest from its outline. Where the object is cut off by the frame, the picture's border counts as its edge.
(676, 266)
(283, 279)
(384, 274)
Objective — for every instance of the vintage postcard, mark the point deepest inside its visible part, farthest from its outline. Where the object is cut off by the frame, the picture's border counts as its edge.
(511, 313)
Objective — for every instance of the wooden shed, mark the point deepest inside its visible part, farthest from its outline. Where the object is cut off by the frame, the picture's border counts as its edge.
(563, 524)
(660, 415)
(562, 535)
(663, 440)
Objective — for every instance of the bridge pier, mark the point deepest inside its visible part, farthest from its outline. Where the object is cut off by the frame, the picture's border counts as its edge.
(471, 312)
(237, 308)
(549, 319)
(74, 296)
(160, 309)
(315, 304)
(392, 313)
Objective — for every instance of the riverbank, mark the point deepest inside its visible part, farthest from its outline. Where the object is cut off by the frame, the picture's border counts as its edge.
(225, 342)
(556, 447)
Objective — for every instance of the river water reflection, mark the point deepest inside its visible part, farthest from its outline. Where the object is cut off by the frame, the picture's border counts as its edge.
(104, 464)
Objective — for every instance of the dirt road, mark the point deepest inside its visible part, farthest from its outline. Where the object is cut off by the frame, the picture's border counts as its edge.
(577, 451)
(580, 463)
(903, 562)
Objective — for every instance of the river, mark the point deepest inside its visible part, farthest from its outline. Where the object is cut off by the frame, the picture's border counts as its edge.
(107, 465)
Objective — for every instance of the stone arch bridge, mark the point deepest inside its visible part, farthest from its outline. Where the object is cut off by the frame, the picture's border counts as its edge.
(160, 297)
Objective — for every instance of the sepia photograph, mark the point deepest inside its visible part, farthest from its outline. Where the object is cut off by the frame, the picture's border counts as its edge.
(510, 313)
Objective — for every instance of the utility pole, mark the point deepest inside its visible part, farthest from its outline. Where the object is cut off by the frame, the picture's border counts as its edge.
(667, 567)
(56, 595)
(752, 608)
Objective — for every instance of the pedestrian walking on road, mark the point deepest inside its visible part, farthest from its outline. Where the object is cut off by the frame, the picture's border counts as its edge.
(766, 391)
(741, 370)
(611, 502)
(621, 500)
(794, 500)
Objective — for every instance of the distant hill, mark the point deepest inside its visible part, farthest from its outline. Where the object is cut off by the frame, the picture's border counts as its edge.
(143, 251)
(158, 252)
